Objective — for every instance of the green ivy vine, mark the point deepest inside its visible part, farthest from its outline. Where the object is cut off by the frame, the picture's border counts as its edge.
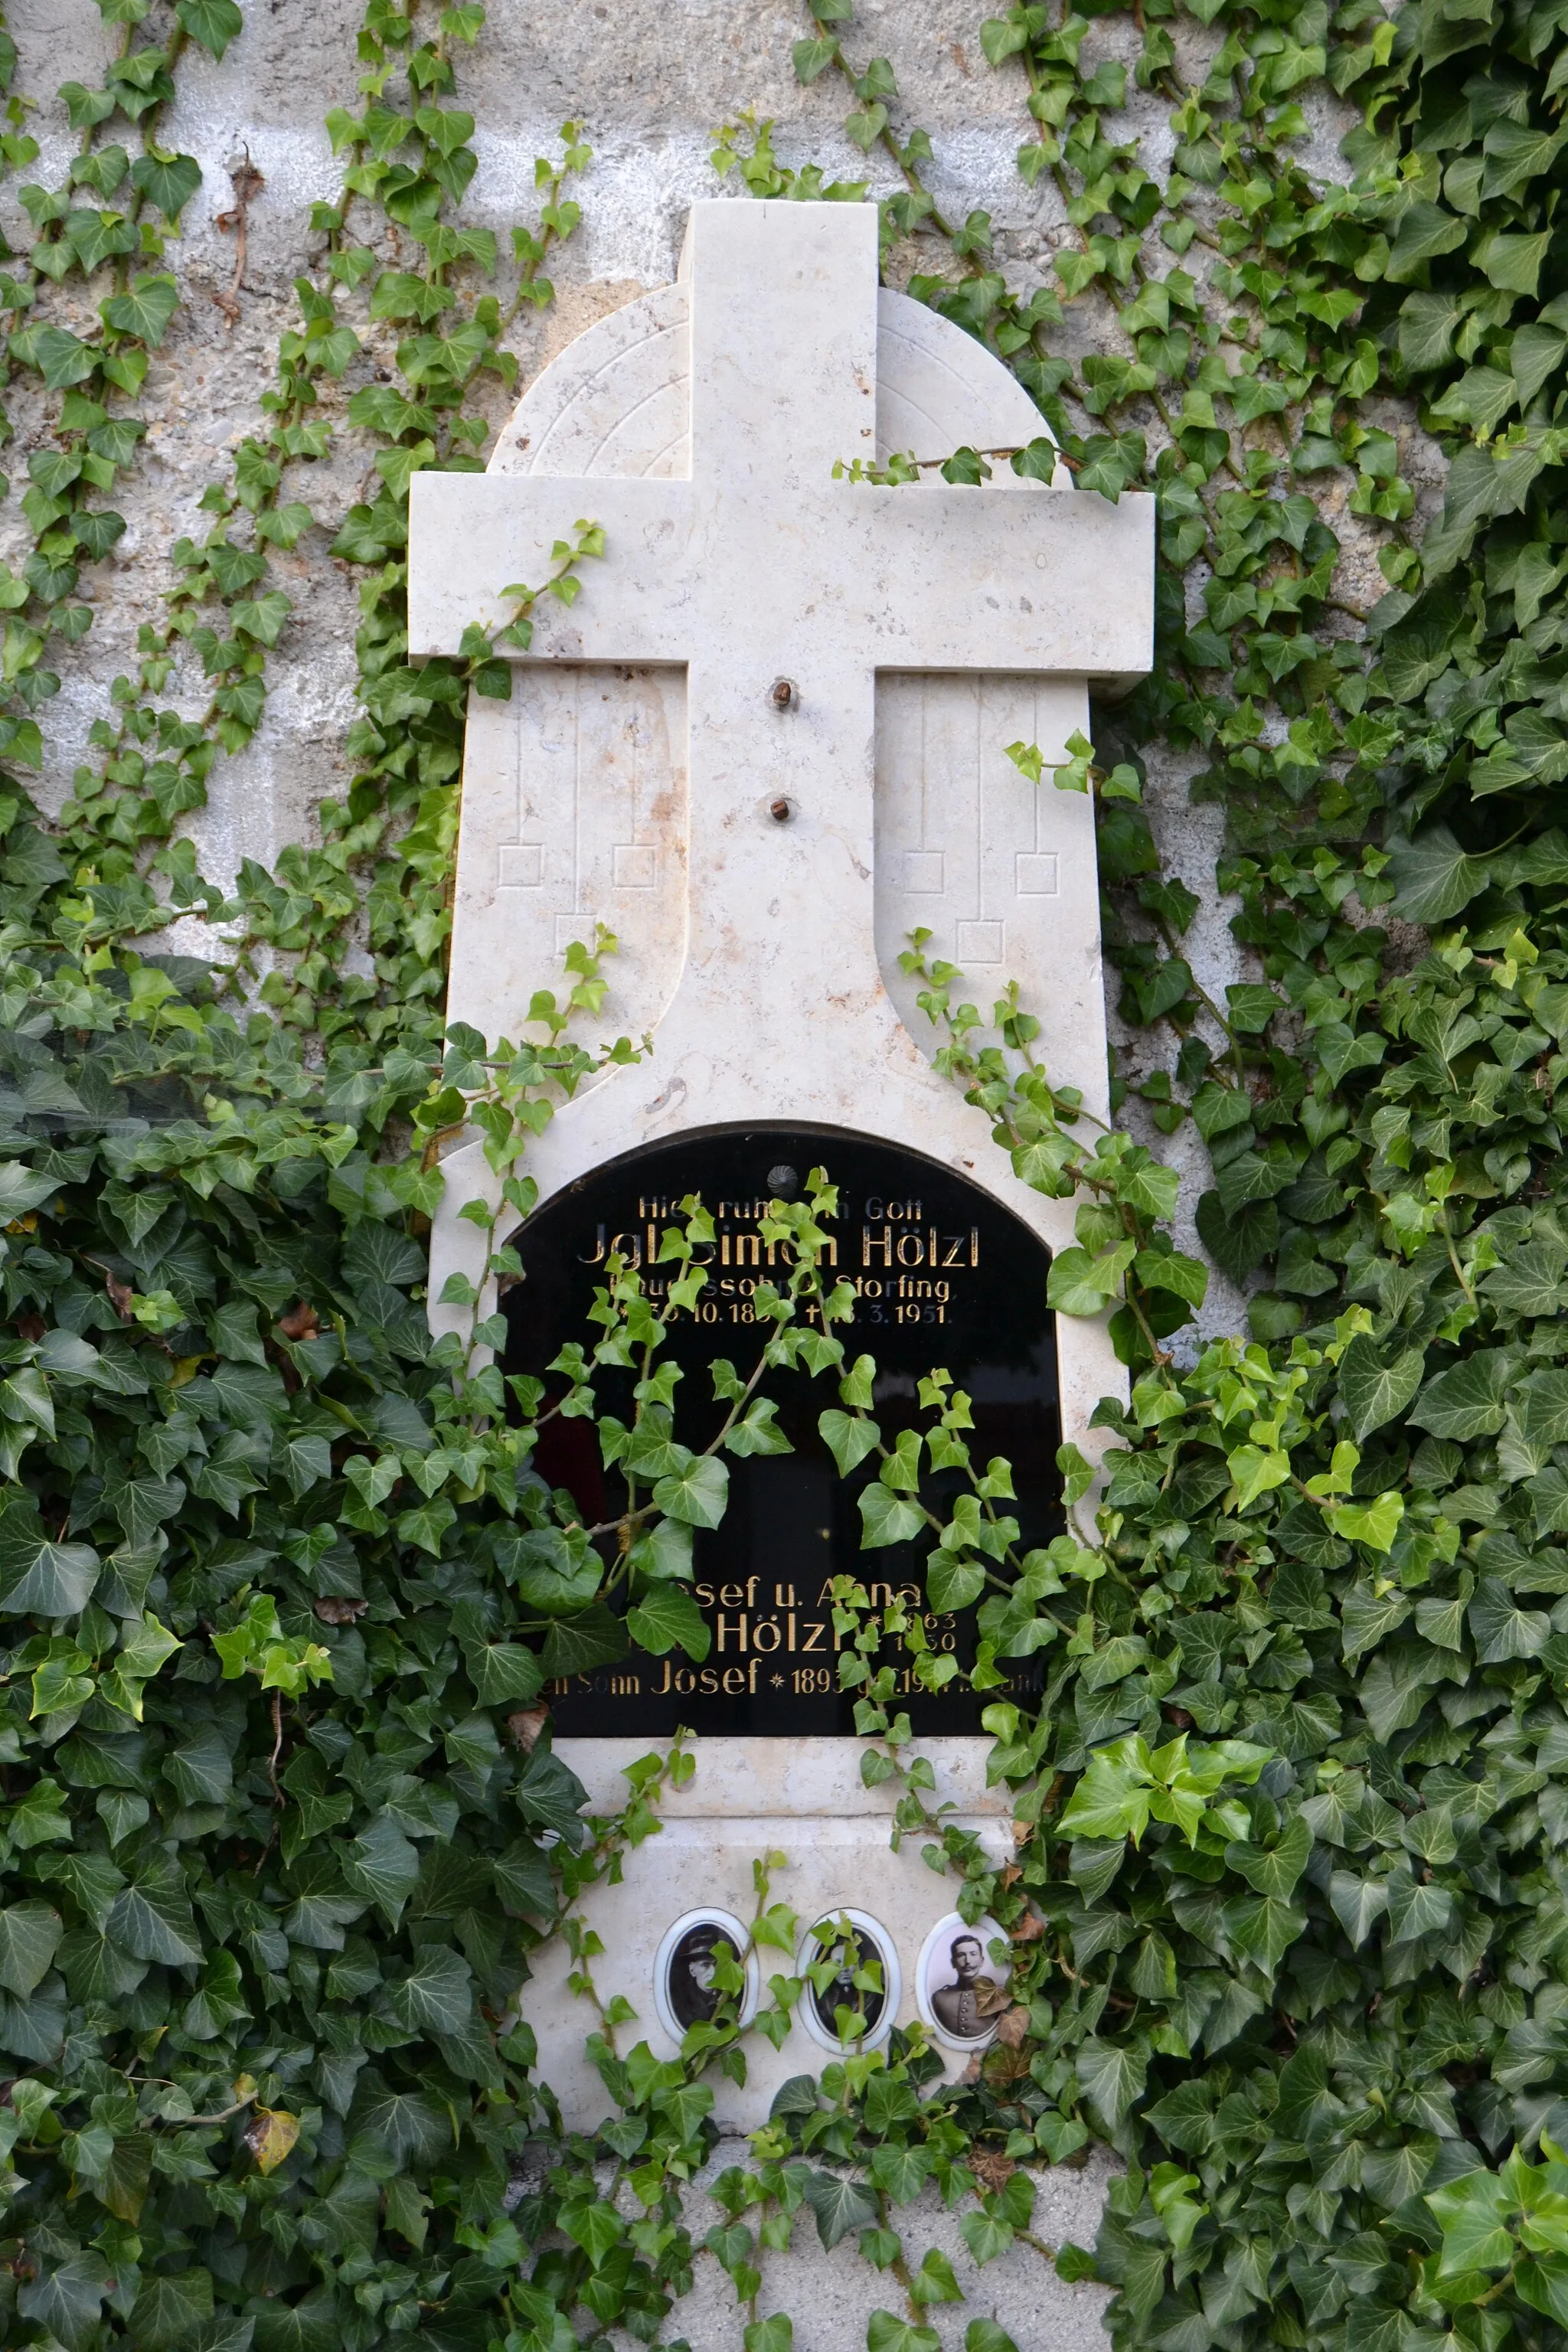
(1288, 1907)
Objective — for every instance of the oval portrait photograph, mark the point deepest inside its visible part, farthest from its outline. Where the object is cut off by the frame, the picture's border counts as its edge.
(858, 1947)
(960, 1990)
(686, 1987)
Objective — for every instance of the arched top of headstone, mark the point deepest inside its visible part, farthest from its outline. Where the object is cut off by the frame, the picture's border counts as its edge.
(616, 401)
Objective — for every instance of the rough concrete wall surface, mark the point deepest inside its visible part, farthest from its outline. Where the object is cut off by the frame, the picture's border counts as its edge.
(831, 2296)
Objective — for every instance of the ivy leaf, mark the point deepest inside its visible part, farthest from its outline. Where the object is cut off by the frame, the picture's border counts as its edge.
(774, 2334)
(504, 1674)
(23, 1188)
(590, 1638)
(382, 1863)
(759, 1431)
(934, 2281)
(1375, 1523)
(152, 1918)
(1358, 1902)
(850, 1438)
(1186, 1277)
(887, 2333)
(1375, 1390)
(170, 2307)
(214, 23)
(1113, 1798)
(1416, 1908)
(556, 1578)
(1473, 2214)
(1543, 2285)
(1113, 2076)
(1367, 1617)
(985, 2236)
(1263, 1928)
(169, 181)
(1273, 1870)
(1150, 1187)
(1433, 877)
(66, 2296)
(39, 1818)
(1469, 1400)
(952, 1583)
(437, 1995)
(1541, 1403)
(696, 1496)
(61, 358)
(146, 310)
(262, 618)
(887, 1517)
(867, 124)
(1078, 1284)
(84, 107)
(1425, 231)
(1501, 1629)
(840, 2205)
(43, 1579)
(667, 1618)
(664, 1554)
(29, 1938)
(1238, 1242)
(1513, 262)
(900, 2172)
(812, 58)
(1257, 1470)
(1426, 327)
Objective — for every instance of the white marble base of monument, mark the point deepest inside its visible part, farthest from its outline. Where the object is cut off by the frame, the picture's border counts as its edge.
(747, 1799)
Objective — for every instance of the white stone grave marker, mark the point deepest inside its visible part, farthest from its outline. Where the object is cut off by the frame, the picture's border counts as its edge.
(632, 778)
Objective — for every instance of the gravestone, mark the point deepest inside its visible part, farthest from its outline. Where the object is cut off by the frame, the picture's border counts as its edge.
(765, 744)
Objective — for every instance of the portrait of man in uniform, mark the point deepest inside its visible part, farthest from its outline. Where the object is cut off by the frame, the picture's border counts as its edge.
(968, 2004)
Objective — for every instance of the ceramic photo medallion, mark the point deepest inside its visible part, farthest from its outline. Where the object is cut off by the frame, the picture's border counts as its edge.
(850, 1964)
(687, 1991)
(961, 1980)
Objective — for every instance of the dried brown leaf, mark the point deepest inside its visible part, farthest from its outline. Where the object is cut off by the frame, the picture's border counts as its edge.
(991, 2167)
(335, 1610)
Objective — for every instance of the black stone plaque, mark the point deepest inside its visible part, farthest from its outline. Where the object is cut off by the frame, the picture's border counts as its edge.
(943, 1276)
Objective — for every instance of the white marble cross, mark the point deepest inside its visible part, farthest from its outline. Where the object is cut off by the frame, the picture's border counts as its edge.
(760, 567)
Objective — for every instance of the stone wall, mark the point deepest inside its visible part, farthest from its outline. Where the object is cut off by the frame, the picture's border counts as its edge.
(650, 80)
